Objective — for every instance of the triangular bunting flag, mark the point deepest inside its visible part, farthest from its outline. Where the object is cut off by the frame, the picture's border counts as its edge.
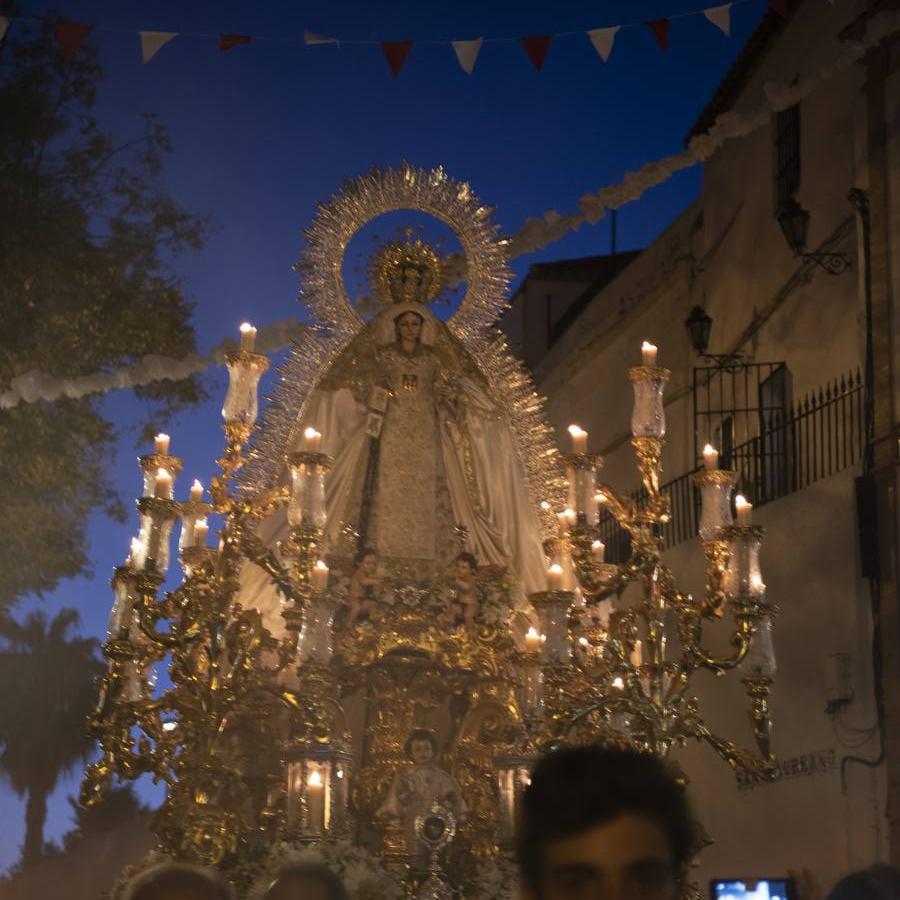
(720, 16)
(536, 46)
(4, 24)
(660, 29)
(395, 52)
(779, 6)
(310, 38)
(467, 52)
(602, 39)
(153, 41)
(227, 41)
(70, 36)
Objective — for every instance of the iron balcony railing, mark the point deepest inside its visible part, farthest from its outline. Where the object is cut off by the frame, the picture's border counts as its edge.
(823, 434)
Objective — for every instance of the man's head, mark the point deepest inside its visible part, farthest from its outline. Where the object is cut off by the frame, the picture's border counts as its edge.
(366, 560)
(421, 746)
(306, 881)
(604, 824)
(178, 881)
(464, 565)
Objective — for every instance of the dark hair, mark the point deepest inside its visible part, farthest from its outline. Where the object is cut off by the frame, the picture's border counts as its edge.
(878, 882)
(465, 556)
(361, 554)
(408, 312)
(575, 789)
(420, 734)
(331, 881)
(178, 879)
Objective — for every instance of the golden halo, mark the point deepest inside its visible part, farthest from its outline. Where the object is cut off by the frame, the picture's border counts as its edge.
(369, 196)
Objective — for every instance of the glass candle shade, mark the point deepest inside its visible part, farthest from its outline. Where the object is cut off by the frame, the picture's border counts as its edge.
(582, 486)
(150, 467)
(120, 615)
(760, 658)
(318, 789)
(244, 371)
(648, 417)
(743, 577)
(513, 777)
(191, 512)
(157, 518)
(553, 609)
(316, 639)
(307, 503)
(715, 486)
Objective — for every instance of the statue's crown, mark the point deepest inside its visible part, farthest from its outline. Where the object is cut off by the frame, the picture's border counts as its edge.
(406, 272)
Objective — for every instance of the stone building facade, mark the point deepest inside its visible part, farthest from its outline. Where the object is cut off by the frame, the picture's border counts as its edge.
(790, 413)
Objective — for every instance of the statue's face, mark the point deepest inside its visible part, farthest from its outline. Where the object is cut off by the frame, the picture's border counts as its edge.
(369, 564)
(462, 569)
(409, 327)
(421, 751)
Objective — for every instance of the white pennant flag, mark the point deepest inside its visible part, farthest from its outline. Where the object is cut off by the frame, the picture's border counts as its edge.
(153, 41)
(310, 38)
(720, 16)
(467, 52)
(602, 39)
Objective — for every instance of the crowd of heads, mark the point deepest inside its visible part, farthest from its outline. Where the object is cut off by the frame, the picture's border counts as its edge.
(597, 823)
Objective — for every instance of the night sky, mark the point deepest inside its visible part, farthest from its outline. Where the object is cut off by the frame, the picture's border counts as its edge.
(264, 131)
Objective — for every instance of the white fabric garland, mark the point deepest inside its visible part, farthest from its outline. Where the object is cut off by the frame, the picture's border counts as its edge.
(535, 234)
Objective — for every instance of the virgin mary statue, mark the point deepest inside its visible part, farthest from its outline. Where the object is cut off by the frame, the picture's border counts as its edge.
(421, 445)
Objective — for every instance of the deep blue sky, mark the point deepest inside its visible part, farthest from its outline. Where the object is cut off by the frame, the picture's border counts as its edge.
(264, 131)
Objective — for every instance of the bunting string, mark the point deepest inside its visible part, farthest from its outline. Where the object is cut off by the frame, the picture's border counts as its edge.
(535, 234)
(70, 37)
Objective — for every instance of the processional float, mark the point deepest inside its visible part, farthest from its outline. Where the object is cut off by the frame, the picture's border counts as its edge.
(398, 739)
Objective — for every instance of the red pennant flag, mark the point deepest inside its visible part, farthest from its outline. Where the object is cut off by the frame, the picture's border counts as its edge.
(536, 46)
(227, 41)
(660, 29)
(395, 52)
(70, 36)
(779, 6)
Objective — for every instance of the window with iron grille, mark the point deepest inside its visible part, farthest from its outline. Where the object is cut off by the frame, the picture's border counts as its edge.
(786, 154)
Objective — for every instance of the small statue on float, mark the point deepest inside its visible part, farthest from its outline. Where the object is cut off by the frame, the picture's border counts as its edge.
(417, 787)
(463, 603)
(363, 584)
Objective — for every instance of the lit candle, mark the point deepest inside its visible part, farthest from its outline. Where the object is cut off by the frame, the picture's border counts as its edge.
(137, 554)
(163, 484)
(744, 509)
(710, 457)
(196, 491)
(600, 498)
(637, 656)
(201, 527)
(315, 801)
(311, 440)
(598, 548)
(648, 354)
(567, 519)
(248, 337)
(532, 640)
(618, 683)
(555, 577)
(161, 444)
(579, 439)
(319, 576)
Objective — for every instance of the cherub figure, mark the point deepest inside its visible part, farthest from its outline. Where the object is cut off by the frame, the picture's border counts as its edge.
(463, 601)
(363, 583)
(416, 787)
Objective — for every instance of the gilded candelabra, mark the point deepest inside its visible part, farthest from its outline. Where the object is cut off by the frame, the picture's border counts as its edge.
(609, 667)
(232, 717)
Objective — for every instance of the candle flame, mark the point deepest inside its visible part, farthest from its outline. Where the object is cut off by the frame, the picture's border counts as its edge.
(598, 545)
(708, 450)
(600, 497)
(137, 546)
(576, 431)
(161, 437)
(648, 346)
(741, 501)
(532, 633)
(197, 485)
(246, 327)
(618, 682)
(311, 433)
(163, 474)
(315, 779)
(321, 566)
